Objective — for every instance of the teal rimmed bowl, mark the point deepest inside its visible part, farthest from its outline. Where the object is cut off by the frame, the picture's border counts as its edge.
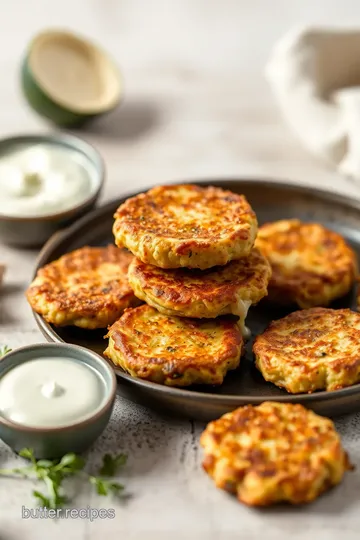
(54, 442)
(35, 230)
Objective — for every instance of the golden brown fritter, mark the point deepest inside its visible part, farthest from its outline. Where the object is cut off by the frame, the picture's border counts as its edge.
(174, 351)
(186, 226)
(358, 293)
(272, 453)
(86, 288)
(311, 265)
(311, 350)
(202, 293)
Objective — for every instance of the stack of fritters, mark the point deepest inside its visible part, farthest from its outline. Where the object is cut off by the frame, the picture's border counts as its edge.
(195, 263)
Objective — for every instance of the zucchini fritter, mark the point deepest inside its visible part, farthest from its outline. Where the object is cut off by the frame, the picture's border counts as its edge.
(202, 294)
(358, 293)
(186, 226)
(86, 288)
(311, 350)
(174, 351)
(311, 265)
(275, 452)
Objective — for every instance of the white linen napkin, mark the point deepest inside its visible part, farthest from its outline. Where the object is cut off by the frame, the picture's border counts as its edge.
(315, 77)
(2, 272)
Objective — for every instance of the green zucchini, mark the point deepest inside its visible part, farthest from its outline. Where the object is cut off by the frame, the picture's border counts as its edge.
(69, 80)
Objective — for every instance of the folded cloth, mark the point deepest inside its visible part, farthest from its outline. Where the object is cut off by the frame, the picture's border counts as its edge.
(2, 271)
(315, 76)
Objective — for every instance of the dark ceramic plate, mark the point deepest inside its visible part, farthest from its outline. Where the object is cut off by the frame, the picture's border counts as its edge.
(271, 201)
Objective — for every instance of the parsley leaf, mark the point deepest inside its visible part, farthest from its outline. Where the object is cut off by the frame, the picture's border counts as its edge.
(4, 350)
(111, 464)
(51, 474)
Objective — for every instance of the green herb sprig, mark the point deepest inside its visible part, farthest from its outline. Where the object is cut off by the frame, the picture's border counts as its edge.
(52, 473)
(4, 350)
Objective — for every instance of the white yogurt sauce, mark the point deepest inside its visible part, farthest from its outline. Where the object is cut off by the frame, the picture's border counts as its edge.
(241, 309)
(50, 392)
(44, 179)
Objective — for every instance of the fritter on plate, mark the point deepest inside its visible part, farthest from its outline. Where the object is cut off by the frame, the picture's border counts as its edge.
(358, 293)
(309, 350)
(186, 226)
(311, 265)
(174, 351)
(274, 452)
(86, 288)
(202, 293)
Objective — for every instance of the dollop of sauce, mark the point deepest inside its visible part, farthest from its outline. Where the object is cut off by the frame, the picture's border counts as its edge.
(51, 392)
(44, 179)
(241, 309)
(51, 389)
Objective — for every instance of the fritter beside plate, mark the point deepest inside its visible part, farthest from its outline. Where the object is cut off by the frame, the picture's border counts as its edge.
(87, 288)
(203, 294)
(272, 453)
(309, 350)
(311, 265)
(186, 226)
(174, 351)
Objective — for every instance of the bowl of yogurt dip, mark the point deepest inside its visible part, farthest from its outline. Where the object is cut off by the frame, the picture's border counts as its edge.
(54, 398)
(46, 182)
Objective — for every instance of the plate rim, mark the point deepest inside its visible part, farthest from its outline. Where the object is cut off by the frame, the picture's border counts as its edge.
(182, 393)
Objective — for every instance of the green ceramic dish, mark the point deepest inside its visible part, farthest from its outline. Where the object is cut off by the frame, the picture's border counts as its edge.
(69, 80)
(53, 443)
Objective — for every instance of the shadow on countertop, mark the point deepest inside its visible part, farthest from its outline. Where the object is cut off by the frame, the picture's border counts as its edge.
(131, 120)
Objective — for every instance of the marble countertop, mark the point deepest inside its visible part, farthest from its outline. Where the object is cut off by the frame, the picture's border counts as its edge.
(196, 105)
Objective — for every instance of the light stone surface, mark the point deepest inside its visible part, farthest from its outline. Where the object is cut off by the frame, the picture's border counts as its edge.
(196, 106)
